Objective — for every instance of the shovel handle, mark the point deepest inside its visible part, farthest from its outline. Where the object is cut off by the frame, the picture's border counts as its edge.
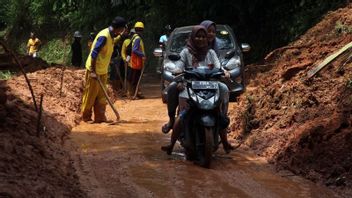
(108, 99)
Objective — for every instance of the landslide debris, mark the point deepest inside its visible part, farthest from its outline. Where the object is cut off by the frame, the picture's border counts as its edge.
(303, 125)
(36, 162)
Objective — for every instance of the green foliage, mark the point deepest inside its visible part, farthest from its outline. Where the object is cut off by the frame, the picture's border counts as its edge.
(349, 83)
(341, 28)
(55, 51)
(5, 74)
(263, 24)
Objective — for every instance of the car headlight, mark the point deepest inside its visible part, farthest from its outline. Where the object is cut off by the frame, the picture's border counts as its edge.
(234, 62)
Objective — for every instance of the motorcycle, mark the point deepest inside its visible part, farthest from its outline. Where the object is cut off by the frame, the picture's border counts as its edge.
(199, 119)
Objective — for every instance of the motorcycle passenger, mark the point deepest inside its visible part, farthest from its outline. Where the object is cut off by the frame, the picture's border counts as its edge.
(211, 30)
(195, 54)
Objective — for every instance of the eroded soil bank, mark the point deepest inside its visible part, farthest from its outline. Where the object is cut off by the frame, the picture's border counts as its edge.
(300, 124)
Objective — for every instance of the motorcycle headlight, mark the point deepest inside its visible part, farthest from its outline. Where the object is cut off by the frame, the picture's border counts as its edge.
(234, 62)
(205, 104)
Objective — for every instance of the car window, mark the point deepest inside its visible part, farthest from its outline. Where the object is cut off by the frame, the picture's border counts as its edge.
(179, 40)
(224, 40)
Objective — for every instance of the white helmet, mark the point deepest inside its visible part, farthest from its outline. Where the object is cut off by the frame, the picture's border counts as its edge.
(77, 34)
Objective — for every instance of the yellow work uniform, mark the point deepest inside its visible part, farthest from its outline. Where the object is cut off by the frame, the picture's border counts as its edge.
(33, 45)
(104, 55)
(124, 55)
(93, 94)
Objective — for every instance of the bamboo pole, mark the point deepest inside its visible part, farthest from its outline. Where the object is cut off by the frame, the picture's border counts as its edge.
(23, 72)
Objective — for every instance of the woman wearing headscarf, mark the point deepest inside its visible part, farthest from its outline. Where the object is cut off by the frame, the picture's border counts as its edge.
(197, 53)
(210, 26)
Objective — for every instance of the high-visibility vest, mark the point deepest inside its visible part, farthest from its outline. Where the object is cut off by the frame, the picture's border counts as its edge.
(104, 55)
(136, 61)
(33, 45)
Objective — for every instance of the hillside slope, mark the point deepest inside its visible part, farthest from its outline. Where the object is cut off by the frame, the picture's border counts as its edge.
(301, 124)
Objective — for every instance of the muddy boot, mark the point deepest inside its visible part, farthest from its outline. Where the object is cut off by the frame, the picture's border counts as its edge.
(226, 145)
(140, 95)
(99, 114)
(87, 116)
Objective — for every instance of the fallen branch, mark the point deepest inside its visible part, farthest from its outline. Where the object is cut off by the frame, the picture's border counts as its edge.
(63, 67)
(22, 70)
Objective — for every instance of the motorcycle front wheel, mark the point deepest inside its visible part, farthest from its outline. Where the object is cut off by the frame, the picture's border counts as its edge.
(208, 147)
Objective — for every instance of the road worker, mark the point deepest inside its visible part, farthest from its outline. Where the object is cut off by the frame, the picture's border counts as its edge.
(33, 45)
(97, 69)
(137, 59)
(76, 49)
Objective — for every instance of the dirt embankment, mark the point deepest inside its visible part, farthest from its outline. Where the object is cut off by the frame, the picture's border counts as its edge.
(33, 161)
(299, 124)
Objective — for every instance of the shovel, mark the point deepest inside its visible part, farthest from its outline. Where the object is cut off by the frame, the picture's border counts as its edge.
(138, 83)
(108, 99)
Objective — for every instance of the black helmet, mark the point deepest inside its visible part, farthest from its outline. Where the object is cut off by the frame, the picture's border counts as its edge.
(168, 27)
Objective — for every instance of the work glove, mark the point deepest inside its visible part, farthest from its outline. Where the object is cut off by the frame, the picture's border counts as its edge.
(93, 75)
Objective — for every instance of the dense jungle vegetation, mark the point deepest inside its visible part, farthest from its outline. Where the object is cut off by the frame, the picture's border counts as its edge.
(263, 24)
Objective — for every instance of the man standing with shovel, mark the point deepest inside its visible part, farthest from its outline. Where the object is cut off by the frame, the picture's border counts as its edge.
(97, 64)
(137, 61)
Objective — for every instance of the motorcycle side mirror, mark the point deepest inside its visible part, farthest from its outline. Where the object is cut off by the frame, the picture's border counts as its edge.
(245, 47)
(230, 54)
(174, 57)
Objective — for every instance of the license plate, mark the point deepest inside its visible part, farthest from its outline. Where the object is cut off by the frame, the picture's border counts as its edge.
(204, 85)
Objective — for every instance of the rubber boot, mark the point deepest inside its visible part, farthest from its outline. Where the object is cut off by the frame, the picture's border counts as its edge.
(226, 145)
(87, 116)
(99, 113)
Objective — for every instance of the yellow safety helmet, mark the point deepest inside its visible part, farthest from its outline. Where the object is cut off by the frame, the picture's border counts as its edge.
(139, 25)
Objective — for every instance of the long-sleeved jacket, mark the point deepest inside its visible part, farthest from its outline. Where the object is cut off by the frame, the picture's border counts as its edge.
(211, 60)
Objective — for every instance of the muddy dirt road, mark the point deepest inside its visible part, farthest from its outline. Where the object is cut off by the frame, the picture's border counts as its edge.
(125, 160)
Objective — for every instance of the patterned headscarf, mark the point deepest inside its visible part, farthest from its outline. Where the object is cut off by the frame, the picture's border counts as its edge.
(198, 52)
(207, 24)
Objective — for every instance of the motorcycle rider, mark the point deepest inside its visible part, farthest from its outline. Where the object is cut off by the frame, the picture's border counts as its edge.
(197, 53)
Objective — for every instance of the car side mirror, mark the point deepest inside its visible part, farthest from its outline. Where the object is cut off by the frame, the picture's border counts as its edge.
(158, 52)
(174, 57)
(230, 54)
(245, 47)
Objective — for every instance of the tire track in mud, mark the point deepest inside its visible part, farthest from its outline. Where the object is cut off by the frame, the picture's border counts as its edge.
(125, 160)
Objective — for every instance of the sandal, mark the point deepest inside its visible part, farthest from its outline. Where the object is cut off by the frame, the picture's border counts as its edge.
(167, 127)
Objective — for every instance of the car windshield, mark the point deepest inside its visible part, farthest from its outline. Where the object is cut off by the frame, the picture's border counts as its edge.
(179, 40)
